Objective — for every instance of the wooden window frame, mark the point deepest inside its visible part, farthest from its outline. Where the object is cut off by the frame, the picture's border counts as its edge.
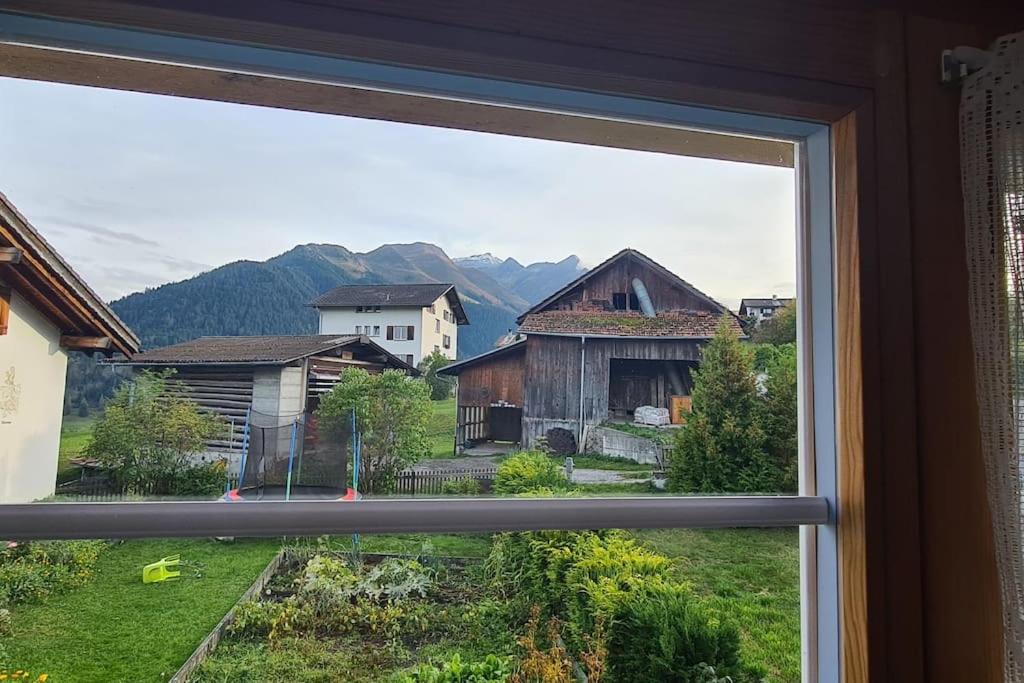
(846, 111)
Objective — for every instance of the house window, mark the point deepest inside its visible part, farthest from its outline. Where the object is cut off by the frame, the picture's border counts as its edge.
(436, 347)
(432, 308)
(409, 358)
(376, 331)
(623, 301)
(446, 316)
(359, 329)
(437, 325)
(5, 309)
(401, 332)
(447, 342)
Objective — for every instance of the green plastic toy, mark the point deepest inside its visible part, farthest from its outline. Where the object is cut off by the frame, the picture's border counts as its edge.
(162, 570)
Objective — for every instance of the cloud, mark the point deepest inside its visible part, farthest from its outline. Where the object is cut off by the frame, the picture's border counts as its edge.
(100, 231)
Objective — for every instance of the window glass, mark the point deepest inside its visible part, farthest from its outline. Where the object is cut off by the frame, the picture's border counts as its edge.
(601, 355)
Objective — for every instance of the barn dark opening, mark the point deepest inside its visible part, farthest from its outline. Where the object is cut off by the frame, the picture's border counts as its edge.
(634, 383)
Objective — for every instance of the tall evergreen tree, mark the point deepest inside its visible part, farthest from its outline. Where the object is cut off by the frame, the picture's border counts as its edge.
(721, 448)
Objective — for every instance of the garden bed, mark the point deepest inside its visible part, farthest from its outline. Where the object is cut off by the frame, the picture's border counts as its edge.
(375, 617)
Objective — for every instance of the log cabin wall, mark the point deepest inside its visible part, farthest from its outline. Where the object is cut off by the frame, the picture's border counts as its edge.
(618, 279)
(932, 606)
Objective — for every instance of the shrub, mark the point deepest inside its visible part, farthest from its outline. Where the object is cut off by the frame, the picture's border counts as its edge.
(255, 619)
(662, 634)
(392, 414)
(492, 669)
(441, 386)
(461, 487)
(32, 572)
(147, 436)
(528, 470)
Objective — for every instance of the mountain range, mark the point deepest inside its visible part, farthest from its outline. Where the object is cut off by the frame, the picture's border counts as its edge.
(271, 297)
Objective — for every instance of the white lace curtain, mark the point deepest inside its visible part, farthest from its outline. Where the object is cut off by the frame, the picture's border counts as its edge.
(992, 162)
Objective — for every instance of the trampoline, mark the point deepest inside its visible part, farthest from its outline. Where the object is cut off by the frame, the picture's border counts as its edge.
(290, 457)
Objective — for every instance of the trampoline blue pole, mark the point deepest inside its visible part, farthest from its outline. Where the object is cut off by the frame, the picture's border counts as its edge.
(291, 461)
(245, 445)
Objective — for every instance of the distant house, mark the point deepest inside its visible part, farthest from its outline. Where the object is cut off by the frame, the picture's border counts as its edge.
(46, 311)
(274, 376)
(410, 321)
(760, 310)
(625, 334)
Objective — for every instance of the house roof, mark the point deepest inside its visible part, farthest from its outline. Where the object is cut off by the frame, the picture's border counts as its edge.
(625, 253)
(773, 302)
(667, 324)
(392, 296)
(262, 350)
(39, 274)
(507, 349)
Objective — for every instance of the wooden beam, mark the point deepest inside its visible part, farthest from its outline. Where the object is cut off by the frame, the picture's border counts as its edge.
(10, 255)
(84, 343)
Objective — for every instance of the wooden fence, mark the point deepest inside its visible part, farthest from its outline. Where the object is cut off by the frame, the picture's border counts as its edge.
(431, 482)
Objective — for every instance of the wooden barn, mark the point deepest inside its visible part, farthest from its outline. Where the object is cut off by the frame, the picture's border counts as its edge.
(625, 334)
(272, 375)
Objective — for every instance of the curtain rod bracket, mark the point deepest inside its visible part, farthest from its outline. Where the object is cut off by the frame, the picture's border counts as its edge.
(960, 62)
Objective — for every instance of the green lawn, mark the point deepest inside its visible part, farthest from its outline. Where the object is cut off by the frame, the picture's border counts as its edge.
(752, 576)
(74, 435)
(115, 628)
(441, 432)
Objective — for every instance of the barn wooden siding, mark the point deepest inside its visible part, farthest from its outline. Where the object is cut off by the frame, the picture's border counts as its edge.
(552, 391)
(497, 379)
(618, 277)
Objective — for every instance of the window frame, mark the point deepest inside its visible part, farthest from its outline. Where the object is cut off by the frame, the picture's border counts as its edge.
(813, 510)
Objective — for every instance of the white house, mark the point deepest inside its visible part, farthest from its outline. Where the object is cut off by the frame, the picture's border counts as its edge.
(762, 309)
(46, 311)
(409, 321)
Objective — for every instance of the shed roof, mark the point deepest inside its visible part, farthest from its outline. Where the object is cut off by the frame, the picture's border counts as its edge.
(773, 302)
(667, 324)
(507, 349)
(260, 350)
(392, 296)
(41, 276)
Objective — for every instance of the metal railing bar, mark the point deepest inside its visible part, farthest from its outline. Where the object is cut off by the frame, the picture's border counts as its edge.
(311, 518)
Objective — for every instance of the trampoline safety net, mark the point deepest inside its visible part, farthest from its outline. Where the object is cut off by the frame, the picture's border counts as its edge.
(293, 456)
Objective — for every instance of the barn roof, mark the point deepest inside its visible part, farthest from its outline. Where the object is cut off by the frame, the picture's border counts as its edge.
(261, 350)
(37, 272)
(392, 296)
(625, 253)
(667, 324)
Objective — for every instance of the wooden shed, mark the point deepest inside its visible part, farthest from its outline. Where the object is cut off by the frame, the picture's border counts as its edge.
(626, 334)
(272, 375)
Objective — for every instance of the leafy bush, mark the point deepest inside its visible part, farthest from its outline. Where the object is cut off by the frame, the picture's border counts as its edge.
(147, 437)
(255, 619)
(461, 487)
(392, 413)
(330, 581)
(441, 386)
(492, 669)
(32, 572)
(663, 634)
(528, 470)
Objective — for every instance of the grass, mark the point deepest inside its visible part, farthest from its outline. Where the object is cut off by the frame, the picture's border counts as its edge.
(604, 462)
(74, 435)
(449, 545)
(752, 578)
(115, 628)
(441, 431)
(665, 436)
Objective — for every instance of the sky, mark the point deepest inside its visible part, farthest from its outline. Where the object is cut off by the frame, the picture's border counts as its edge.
(137, 190)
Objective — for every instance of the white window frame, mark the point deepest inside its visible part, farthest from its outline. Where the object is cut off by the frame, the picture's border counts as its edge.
(395, 333)
(813, 510)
